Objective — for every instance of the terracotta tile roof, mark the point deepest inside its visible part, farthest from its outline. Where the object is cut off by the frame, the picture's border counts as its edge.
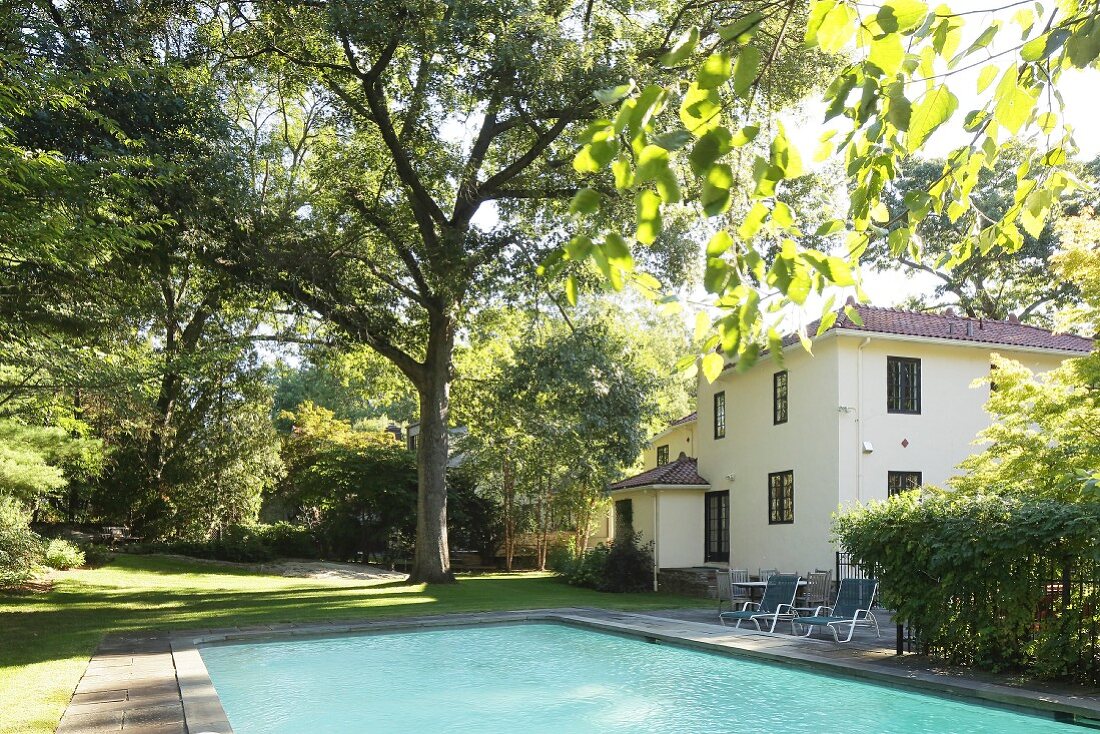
(681, 472)
(955, 328)
(681, 421)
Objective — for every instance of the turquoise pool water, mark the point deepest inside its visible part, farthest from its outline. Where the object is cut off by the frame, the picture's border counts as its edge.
(553, 678)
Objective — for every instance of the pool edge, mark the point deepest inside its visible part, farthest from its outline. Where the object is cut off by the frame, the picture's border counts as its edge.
(203, 712)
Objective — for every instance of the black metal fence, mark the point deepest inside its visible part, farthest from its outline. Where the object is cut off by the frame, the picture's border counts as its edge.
(1066, 616)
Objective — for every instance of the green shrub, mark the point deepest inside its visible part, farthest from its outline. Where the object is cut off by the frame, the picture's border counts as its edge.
(63, 555)
(287, 540)
(980, 578)
(21, 550)
(96, 554)
(623, 565)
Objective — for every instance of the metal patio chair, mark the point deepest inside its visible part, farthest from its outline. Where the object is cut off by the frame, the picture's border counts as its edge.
(853, 605)
(777, 603)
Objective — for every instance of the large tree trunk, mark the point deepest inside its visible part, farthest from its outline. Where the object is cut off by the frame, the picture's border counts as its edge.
(432, 562)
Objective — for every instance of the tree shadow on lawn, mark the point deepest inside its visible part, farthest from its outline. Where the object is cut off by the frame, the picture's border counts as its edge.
(72, 619)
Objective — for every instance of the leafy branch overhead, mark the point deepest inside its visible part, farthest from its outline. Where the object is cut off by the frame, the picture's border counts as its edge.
(707, 133)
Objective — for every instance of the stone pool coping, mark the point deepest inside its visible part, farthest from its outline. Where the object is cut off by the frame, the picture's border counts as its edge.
(120, 668)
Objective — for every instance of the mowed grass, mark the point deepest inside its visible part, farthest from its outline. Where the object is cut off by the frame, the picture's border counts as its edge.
(47, 638)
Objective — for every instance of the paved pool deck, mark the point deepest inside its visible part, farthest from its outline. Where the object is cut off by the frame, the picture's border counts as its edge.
(156, 682)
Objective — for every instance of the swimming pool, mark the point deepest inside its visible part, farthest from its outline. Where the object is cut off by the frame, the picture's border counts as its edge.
(533, 678)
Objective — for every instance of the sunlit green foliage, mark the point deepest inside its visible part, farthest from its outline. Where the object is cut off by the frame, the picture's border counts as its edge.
(892, 95)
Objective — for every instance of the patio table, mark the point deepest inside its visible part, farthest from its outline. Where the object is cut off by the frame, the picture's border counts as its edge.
(758, 586)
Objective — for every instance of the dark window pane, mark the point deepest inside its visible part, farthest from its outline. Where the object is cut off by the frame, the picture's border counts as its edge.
(720, 415)
(781, 497)
(779, 397)
(903, 385)
(902, 481)
(662, 455)
(717, 523)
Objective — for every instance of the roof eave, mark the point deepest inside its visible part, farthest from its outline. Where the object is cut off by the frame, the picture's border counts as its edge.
(964, 342)
(641, 487)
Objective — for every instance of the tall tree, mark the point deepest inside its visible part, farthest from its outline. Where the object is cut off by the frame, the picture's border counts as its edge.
(439, 170)
(991, 284)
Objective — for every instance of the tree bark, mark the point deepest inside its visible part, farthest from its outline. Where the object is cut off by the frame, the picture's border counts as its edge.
(432, 561)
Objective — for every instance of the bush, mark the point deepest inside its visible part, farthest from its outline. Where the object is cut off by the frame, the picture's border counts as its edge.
(623, 565)
(287, 540)
(982, 579)
(21, 550)
(96, 554)
(63, 555)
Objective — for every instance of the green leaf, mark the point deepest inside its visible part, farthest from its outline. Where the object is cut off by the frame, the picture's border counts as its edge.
(835, 29)
(715, 196)
(611, 95)
(719, 243)
(742, 29)
(1013, 104)
(931, 111)
(785, 156)
(833, 268)
(986, 77)
(700, 110)
(685, 47)
(649, 217)
(899, 16)
(714, 71)
(713, 363)
(716, 275)
(708, 149)
(744, 136)
(624, 173)
(674, 139)
(652, 161)
(617, 251)
(579, 247)
(647, 105)
(571, 290)
(887, 53)
(585, 201)
(1083, 46)
(753, 221)
(745, 70)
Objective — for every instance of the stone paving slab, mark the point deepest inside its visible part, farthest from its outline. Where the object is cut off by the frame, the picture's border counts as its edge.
(157, 683)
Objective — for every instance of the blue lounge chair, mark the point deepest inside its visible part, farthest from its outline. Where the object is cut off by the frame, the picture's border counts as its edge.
(854, 600)
(777, 603)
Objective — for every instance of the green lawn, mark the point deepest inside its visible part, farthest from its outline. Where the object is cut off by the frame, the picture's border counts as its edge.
(46, 639)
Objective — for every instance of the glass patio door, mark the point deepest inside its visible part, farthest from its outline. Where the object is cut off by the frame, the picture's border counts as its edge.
(716, 524)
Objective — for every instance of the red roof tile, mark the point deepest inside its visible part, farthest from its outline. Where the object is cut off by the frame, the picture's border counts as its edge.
(956, 328)
(681, 472)
(681, 421)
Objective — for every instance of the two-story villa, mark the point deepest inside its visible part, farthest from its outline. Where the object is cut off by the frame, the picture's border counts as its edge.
(752, 479)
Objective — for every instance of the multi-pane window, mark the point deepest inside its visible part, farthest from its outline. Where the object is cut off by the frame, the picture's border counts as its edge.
(902, 385)
(781, 497)
(902, 481)
(662, 455)
(412, 442)
(720, 414)
(779, 397)
(717, 521)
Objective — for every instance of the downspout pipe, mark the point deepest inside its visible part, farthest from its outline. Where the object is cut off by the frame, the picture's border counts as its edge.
(656, 538)
(859, 419)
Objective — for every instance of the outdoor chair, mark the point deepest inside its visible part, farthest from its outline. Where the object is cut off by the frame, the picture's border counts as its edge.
(777, 603)
(853, 605)
(728, 589)
(766, 573)
(816, 591)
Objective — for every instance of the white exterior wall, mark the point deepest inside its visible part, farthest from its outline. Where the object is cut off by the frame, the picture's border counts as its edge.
(806, 444)
(941, 436)
(679, 515)
(679, 439)
(829, 418)
(681, 528)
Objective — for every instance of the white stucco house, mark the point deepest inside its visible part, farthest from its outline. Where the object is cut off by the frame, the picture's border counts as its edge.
(752, 479)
